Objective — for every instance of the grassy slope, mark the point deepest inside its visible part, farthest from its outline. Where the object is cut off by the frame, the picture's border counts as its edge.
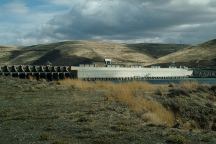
(42, 112)
(157, 50)
(82, 52)
(5, 52)
(202, 55)
(77, 52)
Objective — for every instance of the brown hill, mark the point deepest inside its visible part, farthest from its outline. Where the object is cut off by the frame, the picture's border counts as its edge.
(87, 52)
(156, 50)
(77, 52)
(202, 55)
(5, 53)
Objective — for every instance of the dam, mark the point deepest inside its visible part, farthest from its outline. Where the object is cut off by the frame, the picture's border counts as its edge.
(116, 72)
(92, 72)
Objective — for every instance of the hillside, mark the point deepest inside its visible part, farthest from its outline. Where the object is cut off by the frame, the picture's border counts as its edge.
(77, 52)
(87, 52)
(82, 52)
(157, 50)
(5, 53)
(201, 55)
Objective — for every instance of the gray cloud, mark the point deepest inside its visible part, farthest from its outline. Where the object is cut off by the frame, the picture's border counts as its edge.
(189, 21)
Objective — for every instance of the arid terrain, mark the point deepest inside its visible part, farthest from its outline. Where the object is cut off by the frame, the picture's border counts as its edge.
(107, 71)
(88, 52)
(73, 111)
(200, 55)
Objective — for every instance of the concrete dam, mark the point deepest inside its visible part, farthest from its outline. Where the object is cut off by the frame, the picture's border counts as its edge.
(39, 72)
(92, 72)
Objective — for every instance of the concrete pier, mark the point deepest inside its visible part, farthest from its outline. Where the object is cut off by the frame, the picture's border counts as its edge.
(38, 72)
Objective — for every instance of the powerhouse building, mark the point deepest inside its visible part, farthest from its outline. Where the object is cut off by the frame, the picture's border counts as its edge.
(132, 72)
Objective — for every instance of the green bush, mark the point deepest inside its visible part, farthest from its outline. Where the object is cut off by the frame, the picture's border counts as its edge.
(44, 137)
(178, 92)
(176, 139)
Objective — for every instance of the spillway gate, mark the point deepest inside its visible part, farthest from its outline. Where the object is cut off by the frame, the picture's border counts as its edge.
(39, 72)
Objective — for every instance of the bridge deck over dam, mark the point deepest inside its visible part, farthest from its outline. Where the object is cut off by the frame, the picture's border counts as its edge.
(94, 73)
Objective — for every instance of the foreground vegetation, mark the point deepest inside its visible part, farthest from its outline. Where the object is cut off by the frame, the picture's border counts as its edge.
(72, 111)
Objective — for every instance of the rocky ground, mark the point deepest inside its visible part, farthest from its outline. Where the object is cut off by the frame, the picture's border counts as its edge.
(67, 112)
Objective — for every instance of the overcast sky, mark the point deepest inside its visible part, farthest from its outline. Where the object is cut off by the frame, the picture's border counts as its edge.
(26, 22)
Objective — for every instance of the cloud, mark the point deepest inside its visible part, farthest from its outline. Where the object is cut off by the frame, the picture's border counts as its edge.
(199, 2)
(15, 7)
(158, 20)
(172, 21)
(62, 2)
(18, 19)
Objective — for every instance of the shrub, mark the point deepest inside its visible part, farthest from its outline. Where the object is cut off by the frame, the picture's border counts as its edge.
(213, 127)
(176, 139)
(85, 85)
(77, 84)
(171, 85)
(44, 137)
(159, 92)
(189, 85)
(60, 142)
(178, 92)
(153, 111)
(213, 88)
(206, 138)
(203, 88)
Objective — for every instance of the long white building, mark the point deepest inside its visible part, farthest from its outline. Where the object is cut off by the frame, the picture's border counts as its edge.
(86, 72)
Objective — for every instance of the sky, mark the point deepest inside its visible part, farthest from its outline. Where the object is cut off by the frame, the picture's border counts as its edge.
(28, 22)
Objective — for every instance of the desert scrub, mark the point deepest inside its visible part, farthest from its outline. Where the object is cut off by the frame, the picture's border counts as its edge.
(185, 88)
(60, 142)
(102, 85)
(176, 139)
(77, 84)
(159, 92)
(178, 92)
(44, 136)
(189, 85)
(149, 110)
(206, 138)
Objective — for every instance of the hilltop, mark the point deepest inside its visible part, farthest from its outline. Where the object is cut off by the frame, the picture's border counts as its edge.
(157, 50)
(199, 55)
(5, 53)
(88, 52)
(76, 52)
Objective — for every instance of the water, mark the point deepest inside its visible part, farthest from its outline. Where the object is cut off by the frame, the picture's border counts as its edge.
(211, 81)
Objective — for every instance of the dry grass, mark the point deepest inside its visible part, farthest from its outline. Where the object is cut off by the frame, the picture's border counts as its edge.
(31, 78)
(189, 85)
(192, 85)
(150, 110)
(129, 94)
(102, 85)
(185, 88)
(77, 84)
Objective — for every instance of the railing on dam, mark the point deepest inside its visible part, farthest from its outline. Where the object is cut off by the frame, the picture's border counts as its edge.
(39, 72)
